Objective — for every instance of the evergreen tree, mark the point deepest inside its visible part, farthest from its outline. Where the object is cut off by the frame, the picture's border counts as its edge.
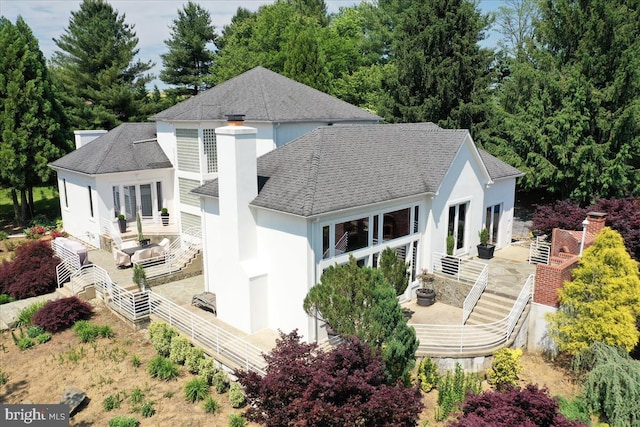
(189, 60)
(358, 301)
(439, 74)
(103, 84)
(304, 61)
(33, 127)
(394, 270)
(602, 302)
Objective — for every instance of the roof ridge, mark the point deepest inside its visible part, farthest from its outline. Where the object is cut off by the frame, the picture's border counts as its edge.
(312, 176)
(118, 131)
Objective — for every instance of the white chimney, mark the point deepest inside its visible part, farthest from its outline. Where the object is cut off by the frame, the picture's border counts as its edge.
(237, 186)
(83, 137)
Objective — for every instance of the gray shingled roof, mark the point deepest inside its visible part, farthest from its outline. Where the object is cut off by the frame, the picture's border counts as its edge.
(128, 147)
(262, 95)
(497, 168)
(340, 167)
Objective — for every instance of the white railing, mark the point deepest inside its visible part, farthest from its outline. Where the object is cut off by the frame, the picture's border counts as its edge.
(463, 270)
(69, 265)
(539, 251)
(475, 293)
(220, 342)
(176, 256)
(457, 339)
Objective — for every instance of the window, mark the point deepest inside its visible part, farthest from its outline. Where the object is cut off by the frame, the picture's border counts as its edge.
(325, 242)
(64, 186)
(492, 222)
(396, 224)
(116, 200)
(90, 202)
(187, 150)
(210, 152)
(351, 235)
(456, 226)
(159, 195)
(146, 203)
(130, 206)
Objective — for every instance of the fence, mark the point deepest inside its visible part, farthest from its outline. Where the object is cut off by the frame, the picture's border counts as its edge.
(539, 251)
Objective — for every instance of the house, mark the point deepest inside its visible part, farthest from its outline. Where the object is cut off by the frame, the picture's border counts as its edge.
(273, 224)
(143, 167)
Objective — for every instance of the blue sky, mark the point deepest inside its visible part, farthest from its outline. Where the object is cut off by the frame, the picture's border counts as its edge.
(151, 18)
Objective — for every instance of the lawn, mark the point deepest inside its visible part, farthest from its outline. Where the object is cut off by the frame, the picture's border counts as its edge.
(46, 202)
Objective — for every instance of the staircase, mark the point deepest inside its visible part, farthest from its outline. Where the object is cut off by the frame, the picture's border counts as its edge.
(183, 257)
(490, 307)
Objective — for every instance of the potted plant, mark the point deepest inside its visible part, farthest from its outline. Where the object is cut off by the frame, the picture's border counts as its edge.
(426, 294)
(122, 223)
(450, 263)
(485, 250)
(164, 213)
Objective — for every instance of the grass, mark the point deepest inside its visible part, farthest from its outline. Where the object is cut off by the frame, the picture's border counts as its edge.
(46, 201)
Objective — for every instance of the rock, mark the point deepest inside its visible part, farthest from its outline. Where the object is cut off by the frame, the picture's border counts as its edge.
(73, 398)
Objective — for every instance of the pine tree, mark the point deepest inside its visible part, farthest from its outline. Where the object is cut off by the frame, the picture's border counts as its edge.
(102, 83)
(189, 60)
(602, 302)
(33, 127)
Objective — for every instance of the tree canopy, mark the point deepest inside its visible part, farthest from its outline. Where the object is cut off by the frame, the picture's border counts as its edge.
(602, 302)
(33, 126)
(102, 82)
(346, 386)
(189, 59)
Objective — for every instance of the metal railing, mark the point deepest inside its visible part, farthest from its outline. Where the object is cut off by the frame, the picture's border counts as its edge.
(69, 265)
(220, 342)
(539, 251)
(177, 255)
(457, 339)
(475, 293)
(463, 270)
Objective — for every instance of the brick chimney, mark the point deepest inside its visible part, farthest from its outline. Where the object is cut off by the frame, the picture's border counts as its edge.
(596, 222)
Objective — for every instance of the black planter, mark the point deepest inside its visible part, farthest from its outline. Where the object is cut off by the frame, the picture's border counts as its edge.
(486, 251)
(425, 297)
(450, 265)
(122, 224)
(165, 219)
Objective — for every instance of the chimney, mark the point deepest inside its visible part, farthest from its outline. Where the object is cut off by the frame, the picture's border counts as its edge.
(83, 137)
(596, 222)
(237, 186)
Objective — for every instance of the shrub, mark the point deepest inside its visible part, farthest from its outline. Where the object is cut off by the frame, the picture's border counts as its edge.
(6, 298)
(147, 410)
(575, 409)
(34, 331)
(160, 335)
(122, 421)
(25, 343)
(210, 405)
(236, 395)
(196, 389)
(88, 332)
(192, 359)
(136, 395)
(452, 390)
(43, 338)
(180, 346)
(163, 368)
(428, 375)
(25, 317)
(60, 314)
(514, 407)
(505, 368)
(221, 381)
(237, 421)
(3, 235)
(207, 369)
(32, 272)
(111, 402)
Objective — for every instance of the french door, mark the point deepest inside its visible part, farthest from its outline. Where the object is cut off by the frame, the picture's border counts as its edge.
(457, 225)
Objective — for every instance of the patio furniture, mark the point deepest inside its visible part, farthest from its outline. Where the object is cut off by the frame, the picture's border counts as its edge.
(122, 259)
(205, 301)
(142, 254)
(75, 247)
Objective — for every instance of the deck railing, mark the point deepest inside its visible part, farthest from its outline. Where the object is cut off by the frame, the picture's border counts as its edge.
(461, 269)
(69, 265)
(539, 251)
(475, 293)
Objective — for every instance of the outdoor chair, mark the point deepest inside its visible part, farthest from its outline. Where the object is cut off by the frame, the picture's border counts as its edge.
(121, 259)
(141, 255)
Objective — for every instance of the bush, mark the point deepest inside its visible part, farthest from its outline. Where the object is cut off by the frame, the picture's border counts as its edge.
(32, 272)
(88, 332)
(505, 368)
(452, 390)
(210, 405)
(43, 338)
(207, 369)
(193, 358)
(147, 410)
(122, 421)
(180, 346)
(428, 376)
(237, 421)
(160, 335)
(25, 343)
(111, 402)
(136, 395)
(61, 314)
(34, 331)
(163, 368)
(196, 389)
(236, 395)
(574, 410)
(221, 382)
(25, 317)
(514, 407)
(6, 298)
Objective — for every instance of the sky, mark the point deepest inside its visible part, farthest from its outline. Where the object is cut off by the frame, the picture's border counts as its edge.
(48, 19)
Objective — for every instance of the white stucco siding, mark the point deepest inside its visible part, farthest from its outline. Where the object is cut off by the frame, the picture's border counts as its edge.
(463, 183)
(75, 206)
(284, 245)
(502, 193)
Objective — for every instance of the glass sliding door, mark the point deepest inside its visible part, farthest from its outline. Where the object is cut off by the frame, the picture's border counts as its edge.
(146, 201)
(116, 201)
(457, 225)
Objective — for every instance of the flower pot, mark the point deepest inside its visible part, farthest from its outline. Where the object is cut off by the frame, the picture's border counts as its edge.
(122, 224)
(485, 251)
(450, 265)
(165, 219)
(425, 297)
